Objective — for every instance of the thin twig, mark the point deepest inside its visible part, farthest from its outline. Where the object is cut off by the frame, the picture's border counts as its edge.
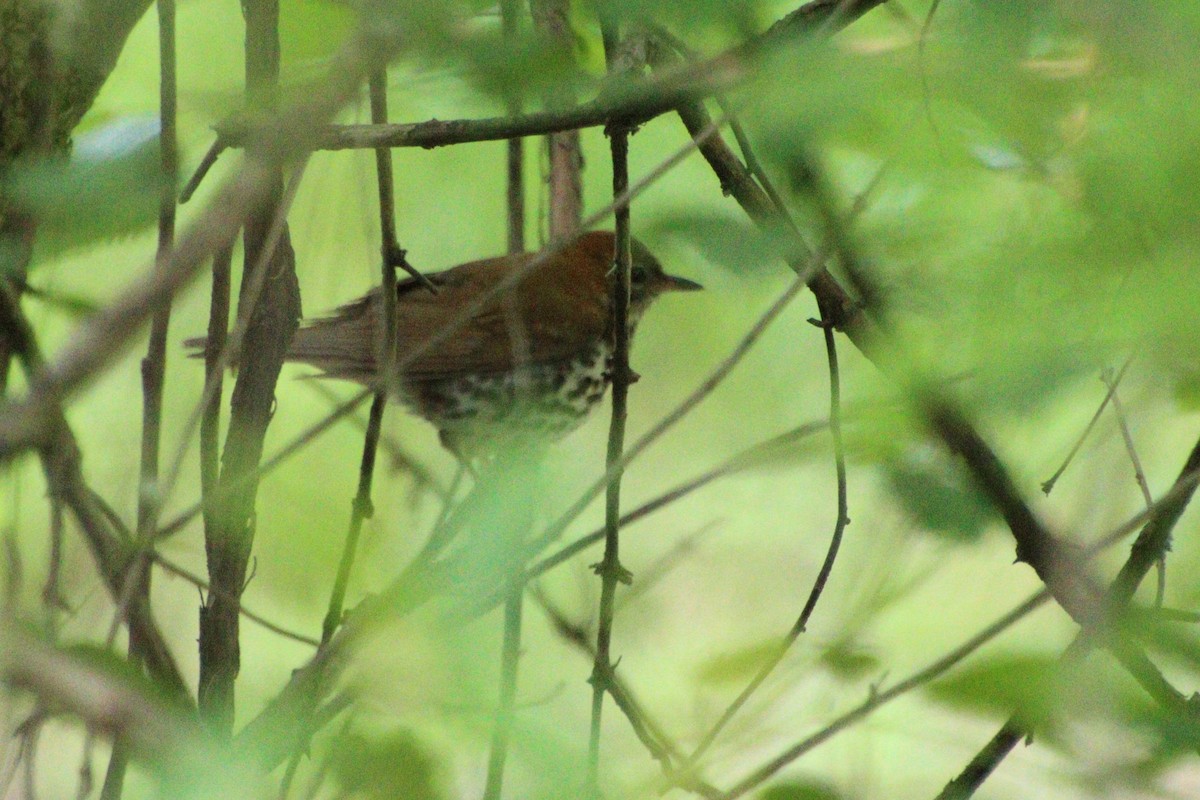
(510, 22)
(510, 659)
(1157, 522)
(206, 163)
(876, 699)
(610, 569)
(1048, 484)
(210, 418)
(1122, 422)
(1160, 566)
(362, 508)
(154, 367)
(835, 541)
(259, 619)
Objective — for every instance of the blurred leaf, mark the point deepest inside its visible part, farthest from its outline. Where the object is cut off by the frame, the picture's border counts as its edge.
(937, 495)
(813, 789)
(728, 241)
(496, 518)
(1176, 640)
(388, 766)
(1187, 388)
(313, 30)
(117, 667)
(848, 660)
(110, 187)
(785, 450)
(1029, 686)
(526, 66)
(70, 304)
(737, 666)
(738, 18)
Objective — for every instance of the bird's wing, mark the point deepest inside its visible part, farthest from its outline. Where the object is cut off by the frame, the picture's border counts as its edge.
(542, 320)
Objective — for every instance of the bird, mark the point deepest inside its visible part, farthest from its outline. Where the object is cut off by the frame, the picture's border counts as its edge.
(526, 362)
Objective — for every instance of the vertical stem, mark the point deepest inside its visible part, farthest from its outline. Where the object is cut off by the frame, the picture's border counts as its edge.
(516, 154)
(154, 367)
(566, 157)
(610, 570)
(516, 197)
(154, 364)
(269, 304)
(210, 421)
(506, 707)
(515, 591)
(391, 256)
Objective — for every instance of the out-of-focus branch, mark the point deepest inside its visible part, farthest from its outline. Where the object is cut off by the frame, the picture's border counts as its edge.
(273, 316)
(566, 157)
(107, 333)
(1055, 560)
(110, 547)
(164, 736)
(632, 101)
(1152, 542)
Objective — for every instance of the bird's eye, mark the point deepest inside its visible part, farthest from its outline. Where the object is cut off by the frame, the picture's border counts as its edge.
(637, 274)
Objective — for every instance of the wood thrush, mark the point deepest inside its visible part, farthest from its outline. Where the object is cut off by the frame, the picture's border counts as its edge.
(528, 366)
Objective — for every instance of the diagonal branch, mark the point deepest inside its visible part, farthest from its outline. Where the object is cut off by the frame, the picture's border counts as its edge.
(110, 547)
(1151, 544)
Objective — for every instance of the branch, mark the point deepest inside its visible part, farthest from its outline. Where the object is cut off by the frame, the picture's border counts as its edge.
(107, 334)
(163, 735)
(1151, 544)
(633, 102)
(878, 699)
(610, 570)
(272, 318)
(64, 475)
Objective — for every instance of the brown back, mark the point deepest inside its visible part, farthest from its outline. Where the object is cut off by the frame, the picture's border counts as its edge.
(559, 309)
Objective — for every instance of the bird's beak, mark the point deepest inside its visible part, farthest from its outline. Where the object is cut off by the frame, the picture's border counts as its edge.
(672, 283)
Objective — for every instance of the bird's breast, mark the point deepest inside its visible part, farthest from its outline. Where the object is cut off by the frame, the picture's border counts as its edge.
(540, 400)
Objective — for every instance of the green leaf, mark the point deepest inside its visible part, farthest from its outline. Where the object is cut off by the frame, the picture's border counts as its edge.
(388, 765)
(732, 242)
(938, 497)
(110, 187)
(848, 660)
(812, 789)
(739, 665)
(1030, 686)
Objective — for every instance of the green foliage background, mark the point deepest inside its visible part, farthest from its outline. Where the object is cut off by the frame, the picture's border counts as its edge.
(1031, 219)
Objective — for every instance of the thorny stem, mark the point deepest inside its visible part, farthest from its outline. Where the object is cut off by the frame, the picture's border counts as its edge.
(362, 508)
(610, 570)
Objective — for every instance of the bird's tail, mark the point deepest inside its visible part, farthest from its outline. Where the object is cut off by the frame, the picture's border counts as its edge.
(341, 346)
